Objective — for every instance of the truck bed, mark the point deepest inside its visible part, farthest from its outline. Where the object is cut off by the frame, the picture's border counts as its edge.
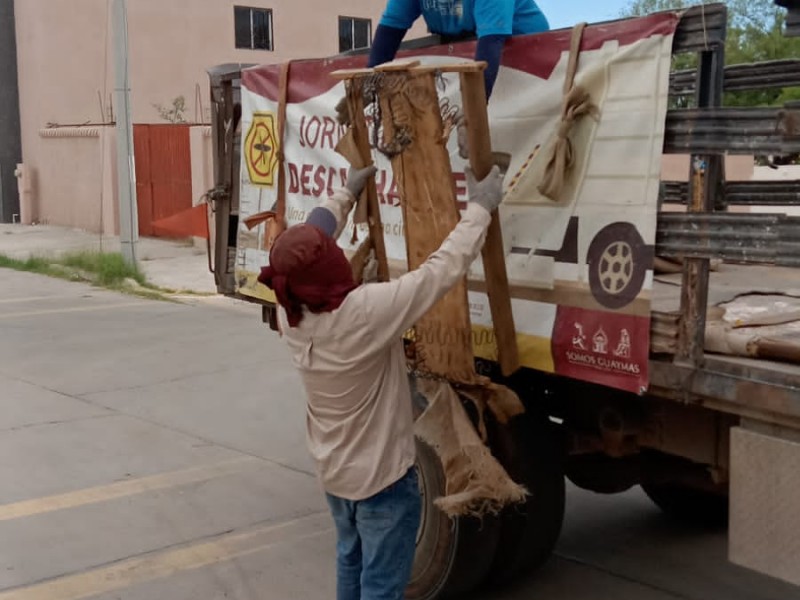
(758, 387)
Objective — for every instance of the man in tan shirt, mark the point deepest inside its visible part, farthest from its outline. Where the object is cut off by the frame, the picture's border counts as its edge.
(346, 341)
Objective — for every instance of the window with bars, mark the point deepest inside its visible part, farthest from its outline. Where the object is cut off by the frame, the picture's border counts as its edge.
(253, 28)
(354, 33)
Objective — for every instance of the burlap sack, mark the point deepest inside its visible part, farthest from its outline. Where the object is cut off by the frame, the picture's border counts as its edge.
(476, 484)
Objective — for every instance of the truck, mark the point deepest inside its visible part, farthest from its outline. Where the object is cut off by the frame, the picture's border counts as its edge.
(684, 381)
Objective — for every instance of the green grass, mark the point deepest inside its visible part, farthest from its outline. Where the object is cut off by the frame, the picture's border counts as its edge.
(108, 269)
(103, 269)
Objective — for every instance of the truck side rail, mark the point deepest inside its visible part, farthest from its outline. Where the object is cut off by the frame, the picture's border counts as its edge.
(745, 387)
(679, 367)
(717, 130)
(737, 237)
(743, 77)
(739, 193)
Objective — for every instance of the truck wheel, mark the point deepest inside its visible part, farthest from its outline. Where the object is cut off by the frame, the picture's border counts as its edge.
(618, 264)
(453, 555)
(529, 449)
(697, 507)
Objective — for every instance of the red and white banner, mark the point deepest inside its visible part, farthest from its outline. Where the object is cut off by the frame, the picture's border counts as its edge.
(581, 266)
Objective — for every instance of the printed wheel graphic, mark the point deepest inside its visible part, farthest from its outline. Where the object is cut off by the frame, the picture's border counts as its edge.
(617, 265)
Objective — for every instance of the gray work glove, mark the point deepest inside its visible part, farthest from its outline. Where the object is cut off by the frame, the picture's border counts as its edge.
(357, 179)
(487, 193)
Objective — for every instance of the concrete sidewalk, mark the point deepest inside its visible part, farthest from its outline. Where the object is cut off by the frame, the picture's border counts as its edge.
(176, 265)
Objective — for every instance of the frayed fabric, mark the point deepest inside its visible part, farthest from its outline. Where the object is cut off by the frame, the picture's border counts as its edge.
(476, 484)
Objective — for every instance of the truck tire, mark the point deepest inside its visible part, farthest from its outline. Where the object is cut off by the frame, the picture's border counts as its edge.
(453, 555)
(530, 450)
(697, 507)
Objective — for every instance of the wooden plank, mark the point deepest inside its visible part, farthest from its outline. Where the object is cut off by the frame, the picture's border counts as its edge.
(413, 67)
(351, 73)
(473, 93)
(398, 65)
(465, 67)
(355, 100)
(416, 67)
(390, 67)
(443, 337)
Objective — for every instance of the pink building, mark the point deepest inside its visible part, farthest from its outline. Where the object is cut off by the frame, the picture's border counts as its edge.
(66, 84)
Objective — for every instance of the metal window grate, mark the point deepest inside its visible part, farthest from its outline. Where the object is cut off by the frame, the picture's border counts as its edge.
(354, 33)
(253, 28)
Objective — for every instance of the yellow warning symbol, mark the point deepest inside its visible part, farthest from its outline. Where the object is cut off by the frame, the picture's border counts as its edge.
(261, 149)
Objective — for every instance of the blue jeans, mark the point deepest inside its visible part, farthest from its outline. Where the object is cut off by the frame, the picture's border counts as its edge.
(375, 543)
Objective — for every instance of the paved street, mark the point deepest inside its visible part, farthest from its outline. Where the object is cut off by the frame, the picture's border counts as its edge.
(155, 450)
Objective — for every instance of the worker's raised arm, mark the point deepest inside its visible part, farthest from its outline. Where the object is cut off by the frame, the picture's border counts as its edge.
(385, 44)
(490, 49)
(397, 19)
(495, 22)
(331, 215)
(391, 308)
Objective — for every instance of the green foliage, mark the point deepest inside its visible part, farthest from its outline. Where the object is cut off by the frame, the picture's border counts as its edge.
(98, 268)
(108, 268)
(34, 264)
(755, 34)
(639, 8)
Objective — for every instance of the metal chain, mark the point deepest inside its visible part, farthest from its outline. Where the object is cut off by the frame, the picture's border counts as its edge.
(389, 86)
(451, 114)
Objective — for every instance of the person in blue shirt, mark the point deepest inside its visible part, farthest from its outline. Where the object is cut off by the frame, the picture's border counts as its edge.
(492, 21)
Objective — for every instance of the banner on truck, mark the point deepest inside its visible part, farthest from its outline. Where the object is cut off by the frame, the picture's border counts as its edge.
(580, 267)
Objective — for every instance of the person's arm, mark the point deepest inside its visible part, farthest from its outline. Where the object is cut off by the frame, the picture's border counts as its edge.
(490, 49)
(331, 215)
(494, 24)
(385, 44)
(397, 19)
(391, 308)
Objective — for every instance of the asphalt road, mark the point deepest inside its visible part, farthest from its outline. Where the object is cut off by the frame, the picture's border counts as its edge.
(154, 450)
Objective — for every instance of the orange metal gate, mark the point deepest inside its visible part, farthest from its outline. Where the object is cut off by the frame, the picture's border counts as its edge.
(163, 174)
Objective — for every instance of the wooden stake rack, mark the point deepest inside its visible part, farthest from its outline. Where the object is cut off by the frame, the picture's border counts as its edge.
(413, 133)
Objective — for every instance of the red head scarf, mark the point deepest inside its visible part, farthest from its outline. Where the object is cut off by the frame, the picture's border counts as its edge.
(307, 268)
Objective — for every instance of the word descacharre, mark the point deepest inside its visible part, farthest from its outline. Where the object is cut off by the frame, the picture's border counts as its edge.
(316, 180)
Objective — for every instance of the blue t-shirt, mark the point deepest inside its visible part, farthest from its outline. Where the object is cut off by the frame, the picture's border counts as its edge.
(455, 17)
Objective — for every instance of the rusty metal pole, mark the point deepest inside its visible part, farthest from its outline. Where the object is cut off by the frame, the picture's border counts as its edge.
(703, 191)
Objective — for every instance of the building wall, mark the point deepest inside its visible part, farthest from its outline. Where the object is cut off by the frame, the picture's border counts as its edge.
(783, 173)
(10, 144)
(66, 67)
(675, 167)
(174, 41)
(78, 178)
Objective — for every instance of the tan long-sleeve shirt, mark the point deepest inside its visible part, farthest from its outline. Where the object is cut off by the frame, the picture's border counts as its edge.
(359, 421)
